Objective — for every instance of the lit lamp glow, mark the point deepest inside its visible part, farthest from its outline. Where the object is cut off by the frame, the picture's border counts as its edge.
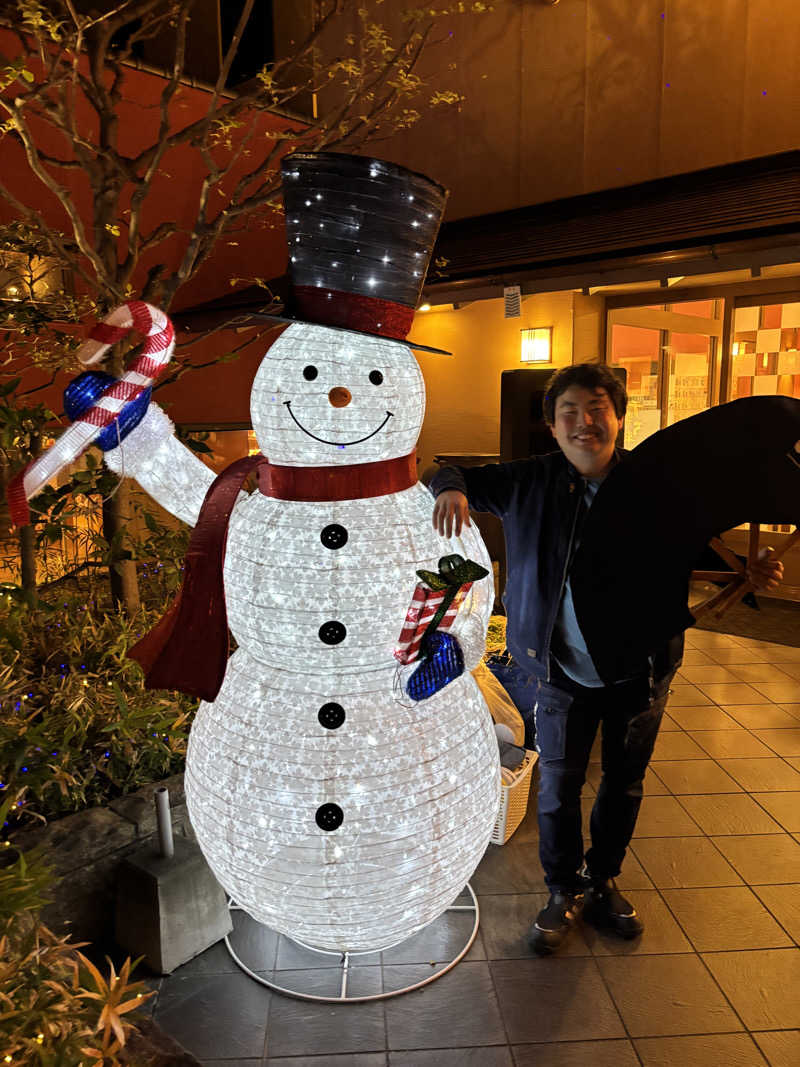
(537, 344)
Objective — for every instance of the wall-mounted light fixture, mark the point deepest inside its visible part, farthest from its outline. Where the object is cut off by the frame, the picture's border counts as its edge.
(537, 345)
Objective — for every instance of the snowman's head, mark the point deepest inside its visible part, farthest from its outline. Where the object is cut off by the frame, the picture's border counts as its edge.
(325, 397)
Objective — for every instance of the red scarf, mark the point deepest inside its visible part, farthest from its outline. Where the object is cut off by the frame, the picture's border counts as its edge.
(188, 648)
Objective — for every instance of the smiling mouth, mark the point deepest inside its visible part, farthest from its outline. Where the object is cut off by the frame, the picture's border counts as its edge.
(323, 441)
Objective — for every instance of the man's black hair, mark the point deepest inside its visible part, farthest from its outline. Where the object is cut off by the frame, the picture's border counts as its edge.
(589, 376)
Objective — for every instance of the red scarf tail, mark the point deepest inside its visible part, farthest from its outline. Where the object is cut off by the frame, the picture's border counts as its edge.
(188, 649)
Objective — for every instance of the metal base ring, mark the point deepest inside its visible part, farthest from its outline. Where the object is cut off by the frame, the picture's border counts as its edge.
(345, 959)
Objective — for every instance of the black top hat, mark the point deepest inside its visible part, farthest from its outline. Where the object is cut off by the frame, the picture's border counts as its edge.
(360, 232)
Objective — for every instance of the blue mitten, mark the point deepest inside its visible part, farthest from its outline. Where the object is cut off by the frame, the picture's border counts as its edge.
(443, 662)
(82, 392)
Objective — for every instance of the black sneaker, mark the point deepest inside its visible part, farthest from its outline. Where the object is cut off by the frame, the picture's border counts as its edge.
(608, 909)
(554, 922)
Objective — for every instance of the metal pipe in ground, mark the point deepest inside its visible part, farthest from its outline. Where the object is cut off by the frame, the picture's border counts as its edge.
(164, 822)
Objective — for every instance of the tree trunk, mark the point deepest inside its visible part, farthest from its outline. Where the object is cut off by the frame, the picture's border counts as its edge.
(116, 516)
(122, 569)
(27, 554)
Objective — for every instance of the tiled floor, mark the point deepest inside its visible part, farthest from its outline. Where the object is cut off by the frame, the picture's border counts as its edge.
(714, 871)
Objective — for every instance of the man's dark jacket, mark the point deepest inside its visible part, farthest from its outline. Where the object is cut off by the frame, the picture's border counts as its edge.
(540, 501)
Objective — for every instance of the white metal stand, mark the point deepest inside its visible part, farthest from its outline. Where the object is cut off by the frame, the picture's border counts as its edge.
(345, 959)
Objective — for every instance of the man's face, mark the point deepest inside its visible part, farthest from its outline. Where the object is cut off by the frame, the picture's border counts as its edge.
(586, 427)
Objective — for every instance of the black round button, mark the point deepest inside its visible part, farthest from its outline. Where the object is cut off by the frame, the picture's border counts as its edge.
(331, 716)
(334, 536)
(329, 817)
(331, 633)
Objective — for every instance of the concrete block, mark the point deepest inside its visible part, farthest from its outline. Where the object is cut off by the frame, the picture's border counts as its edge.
(169, 910)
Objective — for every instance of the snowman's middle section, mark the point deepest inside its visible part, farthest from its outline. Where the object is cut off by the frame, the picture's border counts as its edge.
(325, 586)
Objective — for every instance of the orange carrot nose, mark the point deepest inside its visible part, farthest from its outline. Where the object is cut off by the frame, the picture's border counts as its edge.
(339, 397)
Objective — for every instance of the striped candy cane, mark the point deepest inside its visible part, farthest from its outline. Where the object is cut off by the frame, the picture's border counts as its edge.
(143, 371)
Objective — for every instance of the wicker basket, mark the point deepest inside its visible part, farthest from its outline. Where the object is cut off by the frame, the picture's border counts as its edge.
(514, 800)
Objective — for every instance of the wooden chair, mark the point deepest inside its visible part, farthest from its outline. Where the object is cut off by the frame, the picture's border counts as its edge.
(736, 583)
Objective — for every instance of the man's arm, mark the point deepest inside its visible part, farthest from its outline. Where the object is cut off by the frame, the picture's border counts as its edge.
(486, 488)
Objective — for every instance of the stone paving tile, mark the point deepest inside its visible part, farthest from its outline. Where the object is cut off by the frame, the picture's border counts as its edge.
(488, 1056)
(773, 974)
(684, 862)
(762, 859)
(784, 903)
(734, 693)
(546, 1000)
(731, 744)
(763, 672)
(765, 774)
(762, 716)
(781, 1047)
(696, 776)
(737, 654)
(611, 1053)
(350, 1059)
(305, 1028)
(677, 745)
(714, 672)
(783, 742)
(706, 1050)
(682, 695)
(659, 996)
(779, 692)
(727, 917)
(785, 807)
(460, 1009)
(509, 869)
(708, 717)
(694, 657)
(730, 813)
(664, 817)
(215, 1016)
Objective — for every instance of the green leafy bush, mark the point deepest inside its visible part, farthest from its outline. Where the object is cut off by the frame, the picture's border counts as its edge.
(77, 726)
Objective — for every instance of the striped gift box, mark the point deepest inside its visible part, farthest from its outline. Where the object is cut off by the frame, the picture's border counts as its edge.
(424, 604)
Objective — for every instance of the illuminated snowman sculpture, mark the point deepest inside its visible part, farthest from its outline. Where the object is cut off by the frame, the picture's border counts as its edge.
(330, 806)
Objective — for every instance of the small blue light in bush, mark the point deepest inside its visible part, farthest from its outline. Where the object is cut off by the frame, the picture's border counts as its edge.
(24, 770)
(107, 755)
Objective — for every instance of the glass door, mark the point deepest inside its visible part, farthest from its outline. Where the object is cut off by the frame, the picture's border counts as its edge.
(669, 352)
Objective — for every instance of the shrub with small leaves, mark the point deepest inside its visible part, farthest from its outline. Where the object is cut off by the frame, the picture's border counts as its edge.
(56, 1007)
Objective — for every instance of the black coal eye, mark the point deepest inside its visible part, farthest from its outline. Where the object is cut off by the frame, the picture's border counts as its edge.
(310, 373)
(375, 377)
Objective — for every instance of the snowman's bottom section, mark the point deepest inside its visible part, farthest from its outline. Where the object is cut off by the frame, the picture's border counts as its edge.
(410, 795)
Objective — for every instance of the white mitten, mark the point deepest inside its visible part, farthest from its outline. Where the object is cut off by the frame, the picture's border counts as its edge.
(142, 441)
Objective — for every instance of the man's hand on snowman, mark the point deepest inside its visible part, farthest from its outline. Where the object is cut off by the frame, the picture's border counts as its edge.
(765, 574)
(143, 439)
(451, 511)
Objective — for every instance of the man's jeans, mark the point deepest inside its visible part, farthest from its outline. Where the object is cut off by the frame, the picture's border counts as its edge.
(561, 719)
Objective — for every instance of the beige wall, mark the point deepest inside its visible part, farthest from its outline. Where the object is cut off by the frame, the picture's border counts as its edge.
(591, 94)
(463, 390)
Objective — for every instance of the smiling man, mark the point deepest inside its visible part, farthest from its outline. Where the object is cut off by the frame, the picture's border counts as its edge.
(543, 502)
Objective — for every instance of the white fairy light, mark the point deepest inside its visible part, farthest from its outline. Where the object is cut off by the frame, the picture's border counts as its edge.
(305, 731)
